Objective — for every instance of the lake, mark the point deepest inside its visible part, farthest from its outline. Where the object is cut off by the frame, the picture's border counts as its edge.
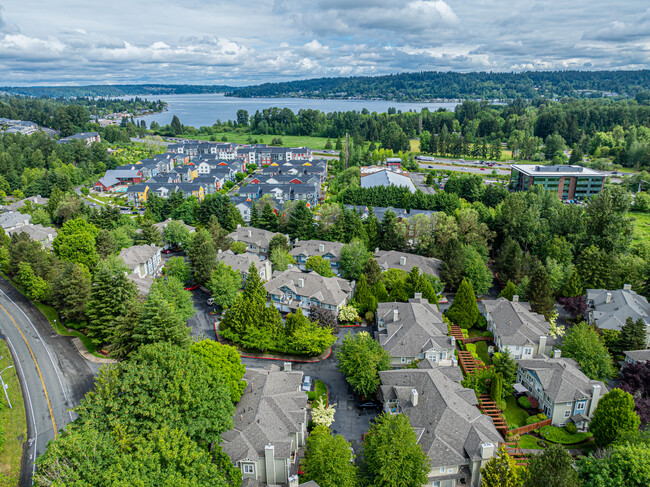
(206, 109)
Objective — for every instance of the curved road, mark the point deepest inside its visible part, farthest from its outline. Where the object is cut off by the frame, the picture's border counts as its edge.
(53, 375)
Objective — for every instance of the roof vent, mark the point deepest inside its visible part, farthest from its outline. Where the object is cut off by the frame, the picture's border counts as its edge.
(395, 314)
(627, 287)
(250, 233)
(515, 298)
(414, 397)
(402, 260)
(321, 247)
(301, 282)
(608, 298)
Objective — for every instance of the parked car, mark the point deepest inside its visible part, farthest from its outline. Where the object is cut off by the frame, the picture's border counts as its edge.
(166, 251)
(192, 288)
(306, 383)
(369, 406)
(210, 301)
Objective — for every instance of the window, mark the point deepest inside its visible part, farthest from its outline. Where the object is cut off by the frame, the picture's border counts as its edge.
(442, 469)
(443, 355)
(580, 406)
(567, 413)
(403, 359)
(248, 468)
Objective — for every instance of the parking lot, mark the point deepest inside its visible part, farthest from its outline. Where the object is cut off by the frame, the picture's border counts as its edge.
(349, 421)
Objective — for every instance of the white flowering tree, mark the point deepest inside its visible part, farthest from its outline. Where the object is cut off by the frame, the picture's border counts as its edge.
(322, 414)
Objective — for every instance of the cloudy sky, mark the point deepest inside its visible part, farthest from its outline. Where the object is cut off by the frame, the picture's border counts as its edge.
(252, 41)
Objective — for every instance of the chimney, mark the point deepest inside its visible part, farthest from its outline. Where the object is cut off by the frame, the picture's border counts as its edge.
(395, 314)
(452, 340)
(595, 397)
(414, 397)
(557, 353)
(301, 282)
(269, 461)
(287, 366)
(250, 233)
(321, 247)
(218, 251)
(515, 298)
(627, 287)
(487, 451)
(608, 298)
(402, 260)
(542, 344)
(376, 249)
(454, 361)
(238, 225)
(418, 296)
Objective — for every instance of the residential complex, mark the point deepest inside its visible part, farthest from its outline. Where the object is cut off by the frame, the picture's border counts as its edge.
(570, 182)
(609, 309)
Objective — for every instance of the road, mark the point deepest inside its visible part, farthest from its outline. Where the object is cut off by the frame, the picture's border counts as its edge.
(53, 376)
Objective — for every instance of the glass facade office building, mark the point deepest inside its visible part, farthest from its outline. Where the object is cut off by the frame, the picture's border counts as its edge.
(570, 182)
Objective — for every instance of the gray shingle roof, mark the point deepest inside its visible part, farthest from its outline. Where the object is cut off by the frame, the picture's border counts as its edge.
(392, 259)
(13, 218)
(309, 248)
(271, 408)
(516, 324)
(451, 428)
(239, 262)
(419, 327)
(328, 290)
(36, 200)
(638, 355)
(624, 303)
(138, 254)
(387, 178)
(252, 235)
(561, 378)
(38, 233)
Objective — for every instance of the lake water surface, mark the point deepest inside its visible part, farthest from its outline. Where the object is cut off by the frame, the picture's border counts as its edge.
(200, 110)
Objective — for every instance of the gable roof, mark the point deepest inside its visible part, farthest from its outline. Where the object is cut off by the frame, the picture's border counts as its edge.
(14, 218)
(386, 178)
(138, 254)
(239, 262)
(561, 378)
(256, 236)
(638, 355)
(419, 327)
(516, 324)
(271, 408)
(446, 419)
(313, 247)
(624, 304)
(328, 290)
(392, 259)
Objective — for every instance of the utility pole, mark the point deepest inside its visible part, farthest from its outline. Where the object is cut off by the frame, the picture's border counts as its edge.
(347, 149)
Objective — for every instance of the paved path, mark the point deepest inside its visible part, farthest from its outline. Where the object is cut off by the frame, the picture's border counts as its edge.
(53, 376)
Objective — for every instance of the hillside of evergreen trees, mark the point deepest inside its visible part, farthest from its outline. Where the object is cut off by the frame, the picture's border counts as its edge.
(484, 86)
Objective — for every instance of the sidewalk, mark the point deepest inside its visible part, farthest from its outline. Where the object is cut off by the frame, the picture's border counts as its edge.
(88, 356)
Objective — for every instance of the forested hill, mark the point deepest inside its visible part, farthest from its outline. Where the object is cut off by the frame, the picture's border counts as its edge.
(484, 86)
(112, 90)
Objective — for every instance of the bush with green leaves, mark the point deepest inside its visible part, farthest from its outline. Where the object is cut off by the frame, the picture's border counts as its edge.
(571, 428)
(523, 402)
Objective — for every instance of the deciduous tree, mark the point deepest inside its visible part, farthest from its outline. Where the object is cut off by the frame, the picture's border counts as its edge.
(328, 460)
(464, 310)
(614, 418)
(224, 284)
(553, 468)
(354, 257)
(360, 358)
(584, 344)
(500, 471)
(223, 360)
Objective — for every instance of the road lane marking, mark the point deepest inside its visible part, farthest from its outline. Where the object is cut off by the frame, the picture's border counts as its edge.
(38, 369)
(56, 371)
(31, 406)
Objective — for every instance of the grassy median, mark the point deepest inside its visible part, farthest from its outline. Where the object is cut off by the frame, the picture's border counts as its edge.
(13, 422)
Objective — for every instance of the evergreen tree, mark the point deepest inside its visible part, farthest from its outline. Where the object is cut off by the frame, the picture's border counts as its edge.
(509, 291)
(255, 218)
(615, 418)
(576, 156)
(176, 126)
(464, 310)
(203, 255)
(392, 455)
(354, 257)
(540, 294)
(269, 220)
(496, 388)
(301, 222)
(110, 295)
(573, 286)
(105, 243)
(70, 284)
(224, 284)
(363, 298)
(149, 233)
(372, 271)
(328, 144)
(160, 322)
(453, 264)
(633, 335)
(553, 468)
(506, 367)
(392, 237)
(339, 144)
(218, 233)
(123, 345)
(372, 230)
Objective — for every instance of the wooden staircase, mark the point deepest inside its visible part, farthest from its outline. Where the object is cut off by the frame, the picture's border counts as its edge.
(490, 408)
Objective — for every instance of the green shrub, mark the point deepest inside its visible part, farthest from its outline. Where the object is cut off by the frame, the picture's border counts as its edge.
(487, 334)
(523, 402)
(532, 419)
(481, 323)
(542, 416)
(370, 316)
(571, 428)
(465, 333)
(311, 395)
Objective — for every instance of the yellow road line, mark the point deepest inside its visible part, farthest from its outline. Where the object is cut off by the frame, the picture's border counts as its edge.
(38, 369)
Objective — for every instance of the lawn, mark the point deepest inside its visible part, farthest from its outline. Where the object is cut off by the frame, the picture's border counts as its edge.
(562, 436)
(13, 422)
(481, 351)
(287, 140)
(515, 416)
(320, 390)
(641, 226)
(51, 315)
(529, 442)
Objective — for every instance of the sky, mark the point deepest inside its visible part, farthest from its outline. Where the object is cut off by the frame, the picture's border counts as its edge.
(55, 42)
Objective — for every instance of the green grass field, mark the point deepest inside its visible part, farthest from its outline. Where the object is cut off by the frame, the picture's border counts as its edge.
(561, 435)
(287, 140)
(529, 442)
(13, 422)
(515, 416)
(641, 227)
